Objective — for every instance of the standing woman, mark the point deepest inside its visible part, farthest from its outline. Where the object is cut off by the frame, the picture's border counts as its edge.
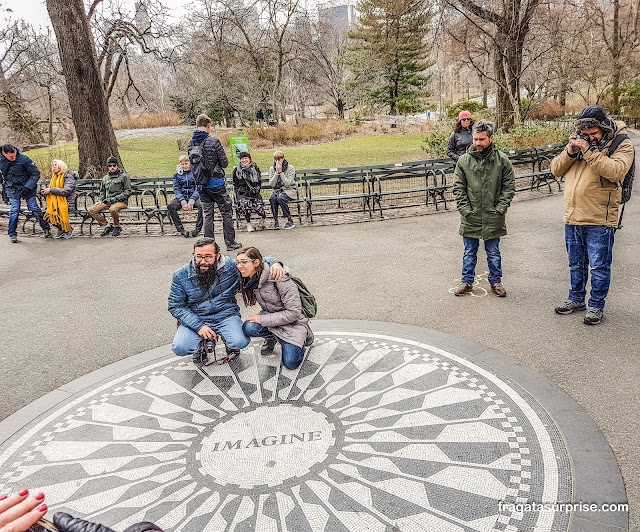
(462, 137)
(247, 181)
(61, 198)
(281, 319)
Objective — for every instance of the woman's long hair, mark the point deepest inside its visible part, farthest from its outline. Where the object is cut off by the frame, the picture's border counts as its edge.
(459, 127)
(248, 294)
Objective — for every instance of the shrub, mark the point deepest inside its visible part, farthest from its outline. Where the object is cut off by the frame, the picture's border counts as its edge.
(532, 135)
(436, 143)
(159, 119)
(472, 107)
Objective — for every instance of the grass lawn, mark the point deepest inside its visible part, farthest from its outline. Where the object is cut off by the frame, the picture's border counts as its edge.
(158, 156)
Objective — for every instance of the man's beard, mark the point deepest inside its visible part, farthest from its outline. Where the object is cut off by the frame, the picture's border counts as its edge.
(208, 277)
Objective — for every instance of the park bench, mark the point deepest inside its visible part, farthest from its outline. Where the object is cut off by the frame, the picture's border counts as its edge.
(409, 184)
(336, 190)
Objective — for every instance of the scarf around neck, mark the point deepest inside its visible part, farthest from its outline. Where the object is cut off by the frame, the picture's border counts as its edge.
(57, 206)
(250, 175)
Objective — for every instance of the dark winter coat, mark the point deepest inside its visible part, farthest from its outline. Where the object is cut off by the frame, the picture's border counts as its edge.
(459, 141)
(20, 177)
(184, 186)
(116, 186)
(214, 152)
(244, 187)
(483, 189)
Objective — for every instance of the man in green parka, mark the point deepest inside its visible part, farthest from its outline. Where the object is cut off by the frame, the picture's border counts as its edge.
(484, 187)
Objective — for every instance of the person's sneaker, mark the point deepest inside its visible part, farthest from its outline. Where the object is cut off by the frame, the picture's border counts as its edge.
(14, 239)
(47, 233)
(593, 316)
(184, 233)
(116, 231)
(250, 228)
(276, 225)
(195, 233)
(59, 234)
(570, 306)
(107, 230)
(235, 245)
(498, 289)
(69, 234)
(309, 339)
(463, 289)
(268, 346)
(289, 225)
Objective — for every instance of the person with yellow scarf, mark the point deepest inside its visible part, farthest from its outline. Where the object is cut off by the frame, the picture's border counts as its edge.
(61, 198)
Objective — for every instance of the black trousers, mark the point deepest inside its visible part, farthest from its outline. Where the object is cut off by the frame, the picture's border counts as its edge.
(220, 197)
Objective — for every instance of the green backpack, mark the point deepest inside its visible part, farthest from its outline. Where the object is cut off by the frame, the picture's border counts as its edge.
(309, 304)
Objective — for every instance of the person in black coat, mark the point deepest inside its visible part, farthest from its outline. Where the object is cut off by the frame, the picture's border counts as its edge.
(247, 181)
(462, 137)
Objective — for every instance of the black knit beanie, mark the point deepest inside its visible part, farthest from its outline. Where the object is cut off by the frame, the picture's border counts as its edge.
(112, 160)
(244, 154)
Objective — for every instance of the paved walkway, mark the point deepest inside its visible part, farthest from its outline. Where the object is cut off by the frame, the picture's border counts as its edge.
(76, 306)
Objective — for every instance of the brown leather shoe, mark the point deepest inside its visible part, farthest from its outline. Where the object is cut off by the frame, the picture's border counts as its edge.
(498, 289)
(463, 289)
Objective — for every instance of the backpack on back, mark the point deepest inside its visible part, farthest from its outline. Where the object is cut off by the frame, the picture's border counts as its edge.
(308, 300)
(200, 163)
(627, 183)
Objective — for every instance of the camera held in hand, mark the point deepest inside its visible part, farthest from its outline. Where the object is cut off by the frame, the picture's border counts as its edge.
(583, 136)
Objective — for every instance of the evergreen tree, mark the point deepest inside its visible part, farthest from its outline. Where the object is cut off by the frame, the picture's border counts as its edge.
(390, 37)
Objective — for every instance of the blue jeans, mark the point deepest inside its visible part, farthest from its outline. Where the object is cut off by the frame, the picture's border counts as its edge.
(292, 355)
(32, 204)
(589, 245)
(186, 341)
(470, 258)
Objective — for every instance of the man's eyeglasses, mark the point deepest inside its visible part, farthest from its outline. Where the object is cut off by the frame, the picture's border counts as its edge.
(243, 262)
(112, 166)
(200, 258)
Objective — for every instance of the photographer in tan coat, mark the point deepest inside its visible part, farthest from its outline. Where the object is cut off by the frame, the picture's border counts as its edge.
(593, 174)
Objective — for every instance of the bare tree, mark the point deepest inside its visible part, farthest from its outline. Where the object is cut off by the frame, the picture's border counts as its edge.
(504, 26)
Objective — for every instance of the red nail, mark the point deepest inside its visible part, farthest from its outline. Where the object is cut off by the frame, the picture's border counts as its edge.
(23, 493)
(3, 497)
(43, 508)
(39, 497)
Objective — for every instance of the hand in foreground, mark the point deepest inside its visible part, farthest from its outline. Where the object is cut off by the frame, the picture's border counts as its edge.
(187, 207)
(255, 319)
(46, 190)
(277, 271)
(18, 512)
(208, 333)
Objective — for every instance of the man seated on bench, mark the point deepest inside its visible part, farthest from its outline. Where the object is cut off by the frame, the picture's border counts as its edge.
(203, 300)
(115, 190)
(187, 197)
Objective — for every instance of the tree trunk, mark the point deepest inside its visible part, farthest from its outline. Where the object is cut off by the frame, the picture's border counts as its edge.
(89, 109)
(50, 116)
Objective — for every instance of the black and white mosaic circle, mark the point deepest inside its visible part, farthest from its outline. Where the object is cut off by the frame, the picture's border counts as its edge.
(371, 433)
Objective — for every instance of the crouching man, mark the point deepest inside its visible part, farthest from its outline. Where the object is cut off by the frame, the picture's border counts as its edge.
(594, 164)
(203, 300)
